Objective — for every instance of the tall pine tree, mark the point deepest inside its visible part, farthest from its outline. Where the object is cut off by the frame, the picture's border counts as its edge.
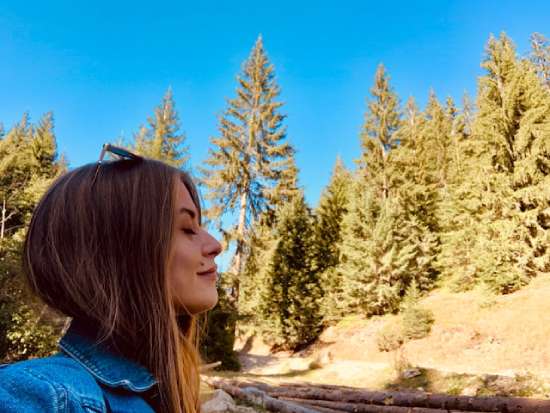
(419, 194)
(375, 257)
(461, 208)
(251, 165)
(379, 137)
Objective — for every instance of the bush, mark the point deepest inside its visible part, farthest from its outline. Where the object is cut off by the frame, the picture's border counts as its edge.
(417, 322)
(29, 338)
(23, 335)
(390, 337)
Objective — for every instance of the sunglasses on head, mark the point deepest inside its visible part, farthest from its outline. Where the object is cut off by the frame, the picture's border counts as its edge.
(121, 153)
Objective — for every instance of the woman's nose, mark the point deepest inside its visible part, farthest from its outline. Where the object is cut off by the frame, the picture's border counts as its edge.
(212, 247)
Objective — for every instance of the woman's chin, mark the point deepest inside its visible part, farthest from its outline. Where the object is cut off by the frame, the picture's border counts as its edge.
(206, 303)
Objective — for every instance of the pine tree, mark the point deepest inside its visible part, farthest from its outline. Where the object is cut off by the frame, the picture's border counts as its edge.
(289, 307)
(259, 248)
(161, 139)
(286, 186)
(418, 194)
(378, 253)
(373, 258)
(328, 236)
(379, 137)
(15, 173)
(261, 240)
(437, 131)
(513, 123)
(251, 165)
(44, 147)
(461, 208)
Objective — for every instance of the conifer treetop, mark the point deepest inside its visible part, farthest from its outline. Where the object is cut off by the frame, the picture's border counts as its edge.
(250, 156)
(161, 138)
(382, 118)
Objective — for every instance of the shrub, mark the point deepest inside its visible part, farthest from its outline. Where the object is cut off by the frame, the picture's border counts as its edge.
(390, 337)
(24, 335)
(417, 322)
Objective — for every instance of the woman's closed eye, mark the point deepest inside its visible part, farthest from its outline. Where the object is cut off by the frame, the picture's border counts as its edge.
(189, 231)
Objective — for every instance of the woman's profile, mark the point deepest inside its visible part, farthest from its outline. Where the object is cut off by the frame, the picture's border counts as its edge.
(118, 247)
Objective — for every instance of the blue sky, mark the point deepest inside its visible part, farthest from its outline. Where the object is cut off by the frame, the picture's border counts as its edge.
(101, 67)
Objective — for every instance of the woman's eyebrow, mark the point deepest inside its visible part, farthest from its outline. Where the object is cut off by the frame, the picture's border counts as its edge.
(188, 211)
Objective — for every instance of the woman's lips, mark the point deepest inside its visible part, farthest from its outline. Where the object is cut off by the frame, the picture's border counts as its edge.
(208, 271)
(211, 273)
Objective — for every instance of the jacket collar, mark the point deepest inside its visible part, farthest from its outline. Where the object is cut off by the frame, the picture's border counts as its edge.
(109, 368)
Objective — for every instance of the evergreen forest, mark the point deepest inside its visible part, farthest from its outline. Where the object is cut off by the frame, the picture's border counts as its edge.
(453, 194)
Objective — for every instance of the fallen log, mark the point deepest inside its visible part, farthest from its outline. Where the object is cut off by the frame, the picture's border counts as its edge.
(321, 409)
(426, 400)
(368, 408)
(258, 397)
(400, 399)
(206, 367)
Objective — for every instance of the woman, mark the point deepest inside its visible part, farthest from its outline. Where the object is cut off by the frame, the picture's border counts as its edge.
(118, 247)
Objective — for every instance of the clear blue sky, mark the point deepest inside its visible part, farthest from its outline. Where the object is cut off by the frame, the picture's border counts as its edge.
(101, 66)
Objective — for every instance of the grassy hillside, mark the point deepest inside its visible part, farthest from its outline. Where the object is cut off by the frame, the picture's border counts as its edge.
(479, 344)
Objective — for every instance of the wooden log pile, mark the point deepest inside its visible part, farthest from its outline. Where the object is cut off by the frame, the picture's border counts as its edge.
(310, 398)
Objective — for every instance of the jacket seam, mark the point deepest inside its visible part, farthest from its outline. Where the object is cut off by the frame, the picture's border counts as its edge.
(59, 391)
(94, 371)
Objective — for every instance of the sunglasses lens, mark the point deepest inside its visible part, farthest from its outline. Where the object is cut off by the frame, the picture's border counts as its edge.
(120, 152)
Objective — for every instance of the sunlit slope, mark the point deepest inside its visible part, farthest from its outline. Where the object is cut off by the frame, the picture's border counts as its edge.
(473, 332)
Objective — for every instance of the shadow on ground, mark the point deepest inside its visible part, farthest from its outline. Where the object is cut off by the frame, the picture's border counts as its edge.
(434, 381)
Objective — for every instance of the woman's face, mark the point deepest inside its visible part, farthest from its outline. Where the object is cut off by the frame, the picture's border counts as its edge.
(192, 271)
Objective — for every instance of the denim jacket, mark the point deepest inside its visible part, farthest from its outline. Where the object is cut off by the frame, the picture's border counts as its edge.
(81, 377)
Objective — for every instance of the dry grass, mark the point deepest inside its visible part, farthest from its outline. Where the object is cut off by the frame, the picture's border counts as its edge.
(504, 335)
(479, 344)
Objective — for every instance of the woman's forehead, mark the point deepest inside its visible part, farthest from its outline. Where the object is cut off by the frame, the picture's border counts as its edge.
(184, 201)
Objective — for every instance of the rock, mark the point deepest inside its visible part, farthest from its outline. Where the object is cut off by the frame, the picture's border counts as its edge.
(243, 409)
(221, 402)
(409, 374)
(469, 391)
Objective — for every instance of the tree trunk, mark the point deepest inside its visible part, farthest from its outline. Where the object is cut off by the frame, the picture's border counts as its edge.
(3, 222)
(4, 219)
(239, 250)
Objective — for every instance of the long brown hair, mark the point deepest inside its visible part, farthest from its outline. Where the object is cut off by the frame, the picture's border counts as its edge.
(98, 252)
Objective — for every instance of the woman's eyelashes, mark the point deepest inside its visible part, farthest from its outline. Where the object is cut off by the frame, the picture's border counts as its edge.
(190, 227)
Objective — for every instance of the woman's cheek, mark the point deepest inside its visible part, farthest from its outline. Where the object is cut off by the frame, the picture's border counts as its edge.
(188, 257)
